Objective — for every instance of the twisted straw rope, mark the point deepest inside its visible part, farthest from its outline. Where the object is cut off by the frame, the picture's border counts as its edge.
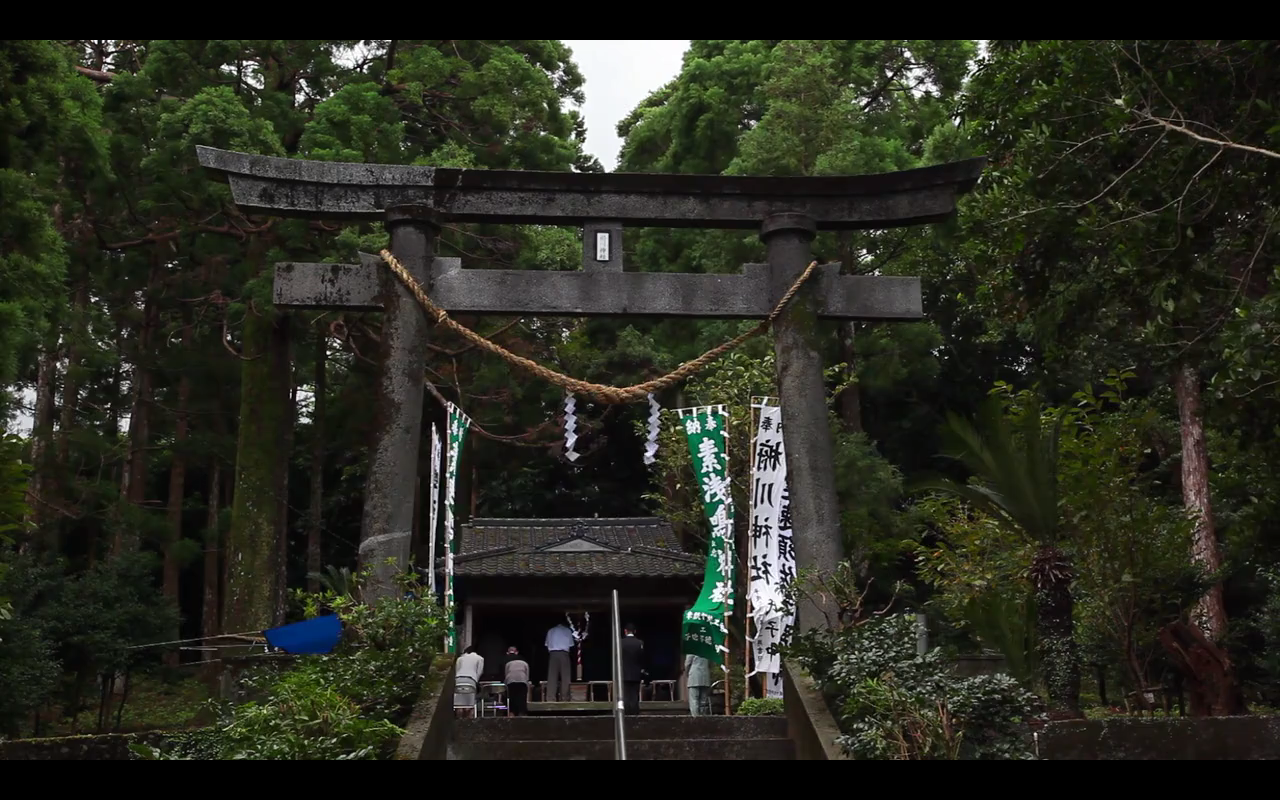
(609, 395)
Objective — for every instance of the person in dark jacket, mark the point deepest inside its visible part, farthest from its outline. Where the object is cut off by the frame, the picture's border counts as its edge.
(516, 677)
(632, 669)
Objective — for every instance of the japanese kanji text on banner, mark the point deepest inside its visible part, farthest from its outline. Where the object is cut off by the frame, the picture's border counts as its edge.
(459, 424)
(772, 556)
(433, 503)
(705, 627)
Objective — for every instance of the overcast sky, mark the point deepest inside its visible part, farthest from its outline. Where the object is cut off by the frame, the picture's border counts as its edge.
(619, 74)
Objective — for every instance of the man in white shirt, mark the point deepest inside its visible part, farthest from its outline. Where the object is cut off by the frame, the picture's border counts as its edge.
(559, 640)
(467, 671)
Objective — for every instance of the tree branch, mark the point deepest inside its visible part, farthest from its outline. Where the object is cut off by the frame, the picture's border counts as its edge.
(1185, 131)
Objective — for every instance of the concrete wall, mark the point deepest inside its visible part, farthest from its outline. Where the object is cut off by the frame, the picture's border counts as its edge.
(1252, 738)
(972, 666)
(430, 726)
(107, 747)
(809, 722)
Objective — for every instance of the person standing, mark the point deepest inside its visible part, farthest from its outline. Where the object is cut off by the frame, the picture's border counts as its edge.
(516, 678)
(698, 671)
(632, 669)
(559, 640)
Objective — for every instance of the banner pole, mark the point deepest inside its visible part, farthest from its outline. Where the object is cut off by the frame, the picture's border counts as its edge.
(751, 550)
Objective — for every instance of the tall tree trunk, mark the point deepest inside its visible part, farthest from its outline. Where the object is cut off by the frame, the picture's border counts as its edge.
(117, 377)
(42, 476)
(1207, 672)
(253, 545)
(282, 478)
(1210, 613)
(210, 614)
(1051, 576)
(315, 523)
(71, 380)
(210, 605)
(133, 485)
(177, 491)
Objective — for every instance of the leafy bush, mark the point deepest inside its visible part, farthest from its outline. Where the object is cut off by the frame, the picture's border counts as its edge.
(895, 704)
(344, 706)
(1268, 624)
(13, 507)
(80, 626)
(761, 707)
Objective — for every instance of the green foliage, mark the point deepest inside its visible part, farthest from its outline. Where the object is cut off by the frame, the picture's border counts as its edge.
(84, 625)
(341, 706)
(51, 150)
(1128, 544)
(1014, 468)
(1268, 624)
(14, 473)
(306, 719)
(895, 704)
(978, 574)
(761, 707)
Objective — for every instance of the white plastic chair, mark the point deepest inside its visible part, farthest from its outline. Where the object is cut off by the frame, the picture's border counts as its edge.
(465, 695)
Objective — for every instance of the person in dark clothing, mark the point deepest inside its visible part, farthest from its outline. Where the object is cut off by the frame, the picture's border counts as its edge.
(516, 678)
(632, 669)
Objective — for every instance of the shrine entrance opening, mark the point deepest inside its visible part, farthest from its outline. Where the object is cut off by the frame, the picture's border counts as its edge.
(494, 628)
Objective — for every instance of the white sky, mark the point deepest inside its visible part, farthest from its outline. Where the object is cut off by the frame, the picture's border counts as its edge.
(619, 73)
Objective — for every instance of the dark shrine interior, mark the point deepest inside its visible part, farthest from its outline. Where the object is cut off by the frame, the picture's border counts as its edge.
(495, 628)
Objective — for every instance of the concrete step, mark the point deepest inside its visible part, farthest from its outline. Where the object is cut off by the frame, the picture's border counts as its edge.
(600, 729)
(641, 750)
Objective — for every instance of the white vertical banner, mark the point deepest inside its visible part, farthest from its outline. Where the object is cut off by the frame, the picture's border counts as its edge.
(773, 561)
(434, 508)
(773, 686)
(459, 425)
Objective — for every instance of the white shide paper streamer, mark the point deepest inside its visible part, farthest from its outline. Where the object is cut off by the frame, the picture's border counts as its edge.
(570, 428)
(651, 446)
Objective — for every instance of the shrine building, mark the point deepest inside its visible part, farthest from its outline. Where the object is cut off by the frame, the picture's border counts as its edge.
(514, 579)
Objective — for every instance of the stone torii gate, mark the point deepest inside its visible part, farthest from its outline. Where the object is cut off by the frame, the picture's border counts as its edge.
(414, 201)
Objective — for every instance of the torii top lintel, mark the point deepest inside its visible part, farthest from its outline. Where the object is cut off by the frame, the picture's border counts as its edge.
(330, 190)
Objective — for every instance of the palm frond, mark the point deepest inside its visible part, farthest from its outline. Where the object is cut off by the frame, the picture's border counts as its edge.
(1015, 482)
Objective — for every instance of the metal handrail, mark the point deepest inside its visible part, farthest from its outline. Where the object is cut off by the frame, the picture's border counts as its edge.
(619, 735)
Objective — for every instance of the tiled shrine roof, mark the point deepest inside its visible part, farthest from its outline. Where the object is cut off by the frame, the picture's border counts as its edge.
(643, 547)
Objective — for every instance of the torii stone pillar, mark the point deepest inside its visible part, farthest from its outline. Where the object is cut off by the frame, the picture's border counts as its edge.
(805, 416)
(787, 212)
(386, 522)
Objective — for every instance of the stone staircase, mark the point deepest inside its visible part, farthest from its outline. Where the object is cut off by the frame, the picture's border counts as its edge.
(649, 738)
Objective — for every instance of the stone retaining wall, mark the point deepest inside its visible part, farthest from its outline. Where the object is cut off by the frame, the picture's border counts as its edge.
(430, 726)
(1251, 738)
(809, 722)
(106, 747)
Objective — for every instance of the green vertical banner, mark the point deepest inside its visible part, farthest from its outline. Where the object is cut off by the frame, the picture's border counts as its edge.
(705, 627)
(458, 426)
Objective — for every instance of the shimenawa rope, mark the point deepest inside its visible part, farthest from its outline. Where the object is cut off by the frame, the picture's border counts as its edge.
(609, 395)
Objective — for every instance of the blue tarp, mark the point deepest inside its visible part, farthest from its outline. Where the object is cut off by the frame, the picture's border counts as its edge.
(310, 637)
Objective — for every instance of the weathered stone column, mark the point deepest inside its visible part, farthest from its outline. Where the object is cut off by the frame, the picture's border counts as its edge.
(386, 529)
(815, 512)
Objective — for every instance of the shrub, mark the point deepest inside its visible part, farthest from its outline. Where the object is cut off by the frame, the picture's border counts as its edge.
(337, 707)
(761, 707)
(1267, 621)
(894, 704)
